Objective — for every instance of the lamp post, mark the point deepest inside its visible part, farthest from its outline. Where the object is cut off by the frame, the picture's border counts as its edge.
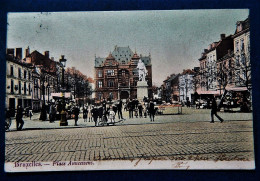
(63, 121)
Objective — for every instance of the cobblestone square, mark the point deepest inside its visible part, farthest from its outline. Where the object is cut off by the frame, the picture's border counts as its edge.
(172, 140)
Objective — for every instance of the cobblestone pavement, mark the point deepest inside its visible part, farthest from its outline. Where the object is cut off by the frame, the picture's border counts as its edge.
(231, 140)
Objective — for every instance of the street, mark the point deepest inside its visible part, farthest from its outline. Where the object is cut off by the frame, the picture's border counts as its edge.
(175, 137)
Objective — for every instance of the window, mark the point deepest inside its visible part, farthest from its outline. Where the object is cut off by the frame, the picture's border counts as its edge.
(24, 88)
(11, 70)
(19, 87)
(242, 44)
(24, 74)
(12, 86)
(19, 73)
(100, 74)
(237, 44)
(99, 96)
(110, 83)
(29, 74)
(110, 72)
(29, 89)
(99, 84)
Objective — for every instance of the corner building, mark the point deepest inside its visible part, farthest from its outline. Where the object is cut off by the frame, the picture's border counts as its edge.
(116, 76)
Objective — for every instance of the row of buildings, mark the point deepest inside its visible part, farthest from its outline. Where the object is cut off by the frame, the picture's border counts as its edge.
(223, 65)
(36, 79)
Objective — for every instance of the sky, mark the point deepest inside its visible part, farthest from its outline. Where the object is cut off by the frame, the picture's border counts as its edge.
(175, 38)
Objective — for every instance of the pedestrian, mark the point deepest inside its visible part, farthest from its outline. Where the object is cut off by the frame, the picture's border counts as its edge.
(30, 113)
(111, 116)
(90, 113)
(119, 109)
(8, 119)
(140, 108)
(114, 107)
(214, 109)
(151, 110)
(101, 109)
(52, 113)
(130, 106)
(136, 112)
(95, 114)
(85, 114)
(19, 118)
(76, 114)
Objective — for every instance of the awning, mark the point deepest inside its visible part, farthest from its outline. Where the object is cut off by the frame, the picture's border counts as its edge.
(208, 92)
(60, 94)
(236, 88)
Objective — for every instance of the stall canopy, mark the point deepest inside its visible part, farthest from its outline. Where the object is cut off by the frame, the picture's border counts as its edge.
(59, 94)
(236, 89)
(208, 92)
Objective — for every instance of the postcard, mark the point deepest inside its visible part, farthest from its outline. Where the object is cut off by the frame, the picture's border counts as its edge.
(129, 90)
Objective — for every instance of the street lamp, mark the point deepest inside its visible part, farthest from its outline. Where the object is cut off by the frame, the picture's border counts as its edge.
(63, 121)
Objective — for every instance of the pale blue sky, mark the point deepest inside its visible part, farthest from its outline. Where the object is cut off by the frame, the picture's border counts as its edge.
(175, 38)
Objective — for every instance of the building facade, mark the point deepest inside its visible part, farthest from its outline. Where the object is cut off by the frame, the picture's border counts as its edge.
(242, 54)
(116, 76)
(19, 82)
(186, 85)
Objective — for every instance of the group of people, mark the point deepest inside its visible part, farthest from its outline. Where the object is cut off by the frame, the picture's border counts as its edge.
(103, 112)
(140, 110)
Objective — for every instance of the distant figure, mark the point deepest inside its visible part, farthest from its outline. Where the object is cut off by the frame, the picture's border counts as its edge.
(30, 113)
(95, 114)
(111, 116)
(130, 106)
(151, 111)
(85, 114)
(100, 112)
(119, 109)
(76, 114)
(140, 108)
(114, 107)
(214, 109)
(90, 113)
(52, 113)
(19, 118)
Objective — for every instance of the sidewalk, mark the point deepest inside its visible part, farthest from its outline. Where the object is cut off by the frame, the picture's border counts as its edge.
(190, 115)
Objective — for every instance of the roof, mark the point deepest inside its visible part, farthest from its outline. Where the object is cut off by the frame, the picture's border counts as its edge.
(187, 71)
(245, 25)
(122, 54)
(146, 60)
(99, 61)
(39, 59)
(17, 61)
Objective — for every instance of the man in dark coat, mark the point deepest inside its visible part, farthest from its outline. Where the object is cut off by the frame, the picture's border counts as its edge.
(151, 110)
(19, 119)
(214, 109)
(76, 114)
(119, 109)
(130, 106)
(95, 114)
(140, 108)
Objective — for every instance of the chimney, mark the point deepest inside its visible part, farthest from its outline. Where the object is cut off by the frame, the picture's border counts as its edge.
(18, 53)
(205, 50)
(27, 52)
(46, 53)
(210, 46)
(10, 51)
(222, 36)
